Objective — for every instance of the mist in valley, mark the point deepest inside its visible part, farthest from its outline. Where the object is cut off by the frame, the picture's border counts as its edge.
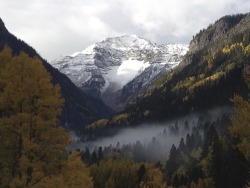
(153, 142)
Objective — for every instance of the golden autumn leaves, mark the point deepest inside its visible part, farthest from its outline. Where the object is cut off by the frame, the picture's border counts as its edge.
(33, 145)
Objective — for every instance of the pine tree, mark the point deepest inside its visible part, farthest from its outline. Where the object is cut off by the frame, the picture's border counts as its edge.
(241, 121)
(210, 136)
(182, 146)
(93, 158)
(100, 154)
(172, 163)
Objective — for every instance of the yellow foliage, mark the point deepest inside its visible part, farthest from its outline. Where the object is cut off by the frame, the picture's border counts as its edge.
(210, 64)
(98, 124)
(201, 76)
(203, 183)
(247, 50)
(240, 124)
(230, 67)
(231, 47)
(240, 121)
(153, 178)
(120, 118)
(185, 98)
(33, 144)
(74, 174)
(184, 83)
(113, 173)
(146, 113)
(205, 80)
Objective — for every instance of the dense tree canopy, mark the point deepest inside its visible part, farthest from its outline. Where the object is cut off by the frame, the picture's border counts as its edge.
(33, 144)
(241, 121)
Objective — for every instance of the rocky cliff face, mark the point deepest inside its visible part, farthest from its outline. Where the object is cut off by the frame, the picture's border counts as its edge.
(215, 36)
(118, 68)
(220, 29)
(209, 75)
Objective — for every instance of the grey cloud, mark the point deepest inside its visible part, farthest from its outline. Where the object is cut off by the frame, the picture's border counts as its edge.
(62, 27)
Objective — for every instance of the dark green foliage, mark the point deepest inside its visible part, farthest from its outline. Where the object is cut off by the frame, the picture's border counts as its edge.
(112, 173)
(176, 183)
(141, 173)
(216, 163)
(210, 136)
(85, 156)
(208, 77)
(225, 165)
(172, 163)
(100, 154)
(182, 146)
(93, 158)
(138, 152)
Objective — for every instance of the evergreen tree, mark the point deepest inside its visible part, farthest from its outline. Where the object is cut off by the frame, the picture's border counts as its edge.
(85, 156)
(241, 121)
(176, 183)
(100, 154)
(182, 145)
(141, 173)
(138, 152)
(235, 168)
(210, 136)
(189, 143)
(172, 163)
(217, 164)
(93, 158)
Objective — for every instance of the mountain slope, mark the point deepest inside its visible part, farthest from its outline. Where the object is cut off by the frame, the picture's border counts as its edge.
(106, 68)
(209, 75)
(80, 108)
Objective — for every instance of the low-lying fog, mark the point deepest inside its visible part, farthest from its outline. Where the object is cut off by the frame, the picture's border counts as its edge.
(154, 140)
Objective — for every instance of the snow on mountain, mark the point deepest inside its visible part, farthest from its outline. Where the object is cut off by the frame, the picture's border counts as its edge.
(107, 66)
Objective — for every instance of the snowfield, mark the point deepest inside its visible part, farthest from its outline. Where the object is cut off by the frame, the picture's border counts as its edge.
(117, 61)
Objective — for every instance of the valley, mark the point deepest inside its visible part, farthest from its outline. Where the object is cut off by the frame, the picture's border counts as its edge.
(126, 112)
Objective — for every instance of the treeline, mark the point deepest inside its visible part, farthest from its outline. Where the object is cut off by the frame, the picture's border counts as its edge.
(33, 144)
(210, 155)
(210, 159)
(155, 149)
(220, 159)
(209, 81)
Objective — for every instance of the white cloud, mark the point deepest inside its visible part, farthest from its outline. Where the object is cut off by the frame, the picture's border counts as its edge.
(60, 27)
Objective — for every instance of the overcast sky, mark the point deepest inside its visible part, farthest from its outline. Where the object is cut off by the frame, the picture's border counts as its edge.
(61, 27)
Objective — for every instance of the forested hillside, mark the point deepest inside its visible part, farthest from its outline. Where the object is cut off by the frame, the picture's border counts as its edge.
(215, 151)
(79, 109)
(198, 116)
(33, 144)
(210, 74)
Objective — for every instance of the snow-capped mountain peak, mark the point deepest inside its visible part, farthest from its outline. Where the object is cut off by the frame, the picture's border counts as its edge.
(88, 50)
(107, 66)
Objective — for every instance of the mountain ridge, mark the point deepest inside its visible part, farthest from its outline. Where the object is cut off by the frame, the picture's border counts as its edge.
(80, 108)
(105, 68)
(209, 75)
